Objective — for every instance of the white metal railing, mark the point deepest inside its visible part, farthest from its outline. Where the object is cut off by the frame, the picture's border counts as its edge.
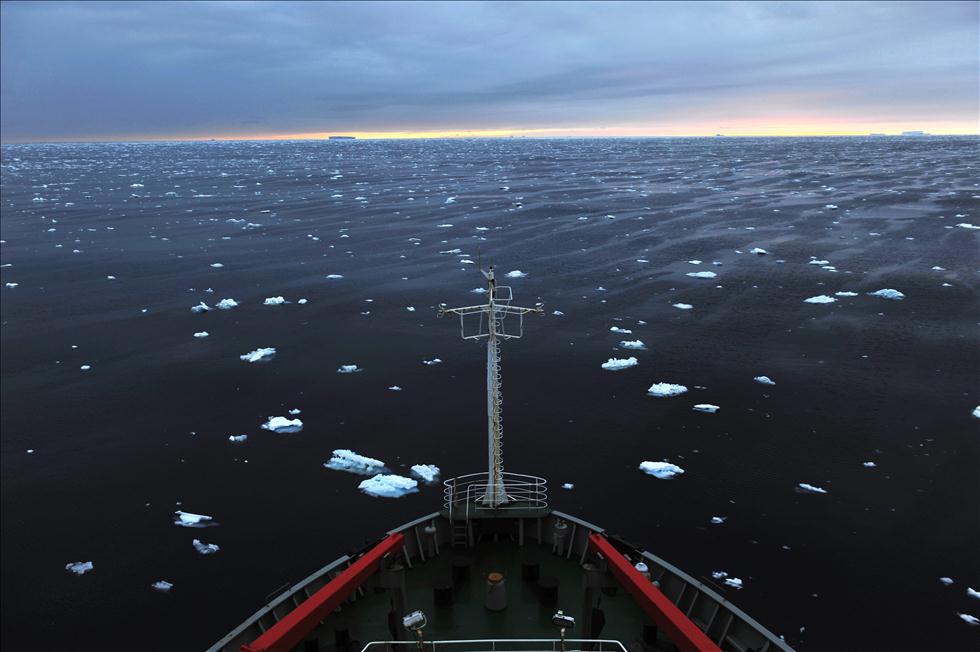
(466, 491)
(507, 645)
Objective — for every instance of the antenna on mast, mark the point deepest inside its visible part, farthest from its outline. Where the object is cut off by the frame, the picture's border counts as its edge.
(493, 328)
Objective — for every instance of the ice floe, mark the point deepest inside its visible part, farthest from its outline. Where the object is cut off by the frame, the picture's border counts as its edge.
(395, 388)
(759, 252)
(11, 285)
(295, 411)
(205, 548)
(335, 276)
(822, 298)
(410, 308)
(946, 581)
(79, 567)
(226, 304)
(163, 586)
(617, 364)
(809, 488)
(201, 334)
(189, 519)
(344, 459)
(636, 345)
(965, 225)
(702, 274)
(869, 465)
(388, 486)
(282, 425)
(832, 207)
(433, 361)
(217, 265)
(237, 439)
(201, 307)
(845, 294)
(661, 470)
(968, 619)
(706, 407)
(516, 274)
(682, 306)
(666, 389)
(428, 473)
(259, 355)
(274, 301)
(973, 593)
(694, 262)
(621, 331)
(568, 485)
(976, 412)
(888, 293)
(348, 369)
(718, 520)
(764, 380)
(85, 367)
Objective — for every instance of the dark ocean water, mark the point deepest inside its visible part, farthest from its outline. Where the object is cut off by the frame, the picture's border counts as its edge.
(145, 431)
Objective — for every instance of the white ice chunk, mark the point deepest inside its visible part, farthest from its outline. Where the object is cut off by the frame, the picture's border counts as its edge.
(85, 367)
(410, 308)
(201, 334)
(227, 304)
(764, 380)
(568, 485)
(976, 412)
(733, 582)
(433, 361)
(666, 389)
(832, 207)
(479, 290)
(217, 265)
(822, 298)
(295, 411)
(303, 301)
(845, 294)
(388, 486)
(718, 520)
(188, 519)
(11, 285)
(516, 274)
(869, 465)
(636, 345)
(694, 262)
(79, 567)
(617, 364)
(344, 459)
(335, 276)
(201, 307)
(682, 306)
(163, 586)
(426, 472)
(968, 619)
(809, 488)
(973, 593)
(205, 548)
(621, 331)
(965, 225)
(888, 293)
(661, 470)
(283, 425)
(259, 355)
(946, 580)
(702, 274)
(758, 252)
(706, 407)
(450, 200)
(237, 438)
(818, 262)
(274, 301)
(395, 388)
(348, 369)
(718, 574)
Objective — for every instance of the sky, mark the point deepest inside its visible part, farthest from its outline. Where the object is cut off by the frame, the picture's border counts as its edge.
(82, 71)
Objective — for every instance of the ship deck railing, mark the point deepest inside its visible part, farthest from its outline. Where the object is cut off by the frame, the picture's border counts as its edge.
(502, 645)
(463, 495)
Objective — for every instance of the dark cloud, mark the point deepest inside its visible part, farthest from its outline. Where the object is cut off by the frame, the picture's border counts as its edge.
(118, 69)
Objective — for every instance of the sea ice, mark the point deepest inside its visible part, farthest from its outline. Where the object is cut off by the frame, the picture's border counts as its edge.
(869, 465)
(718, 520)
(636, 345)
(303, 301)
(946, 580)
(282, 425)
(694, 262)
(388, 486)
(205, 548)
(227, 304)
(85, 367)
(410, 308)
(661, 470)
(450, 200)
(888, 293)
(344, 459)
(163, 586)
(814, 261)
(395, 388)
(426, 472)
(616, 364)
(809, 488)
(706, 407)
(976, 412)
(666, 389)
(968, 619)
(259, 355)
(187, 519)
(79, 567)
(733, 582)
(702, 274)
(274, 301)
(201, 307)
(621, 331)
(831, 206)
(295, 411)
(348, 369)
(973, 593)
(201, 334)
(11, 285)
(822, 298)
(568, 485)
(845, 294)
(217, 265)
(516, 274)
(759, 252)
(479, 290)
(335, 276)
(433, 361)
(964, 225)
(764, 380)
(237, 439)
(682, 306)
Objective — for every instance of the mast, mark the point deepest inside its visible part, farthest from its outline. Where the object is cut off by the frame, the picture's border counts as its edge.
(493, 328)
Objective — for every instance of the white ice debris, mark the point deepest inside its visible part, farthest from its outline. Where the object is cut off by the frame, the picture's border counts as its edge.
(694, 262)
(621, 331)
(274, 301)
(426, 472)
(479, 290)
(568, 485)
(205, 548)
(968, 619)
(666, 389)
(869, 465)
(395, 388)
(661, 470)
(237, 439)
(188, 519)
(734, 582)
(706, 407)
(636, 345)
(163, 586)
(764, 380)
(718, 520)
(976, 412)
(758, 252)
(946, 580)
(201, 334)
(809, 488)
(217, 265)
(558, 313)
(964, 225)
(388, 486)
(348, 369)
(682, 306)
(516, 274)
(617, 364)
(450, 200)
(845, 294)
(335, 276)
(410, 308)
(303, 301)
(832, 207)
(822, 298)
(718, 574)
(283, 425)
(344, 459)
(433, 361)
(973, 593)
(227, 304)
(259, 355)
(888, 293)
(85, 367)
(79, 567)
(201, 307)
(702, 274)
(11, 285)
(814, 261)
(295, 411)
